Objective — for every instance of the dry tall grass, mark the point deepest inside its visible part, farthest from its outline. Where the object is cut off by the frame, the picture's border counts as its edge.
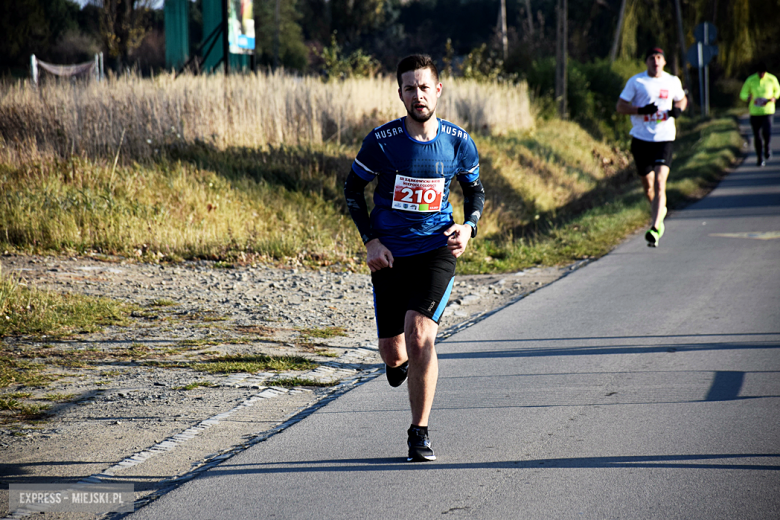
(142, 115)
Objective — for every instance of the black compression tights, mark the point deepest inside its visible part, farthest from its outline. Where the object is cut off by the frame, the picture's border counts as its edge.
(762, 131)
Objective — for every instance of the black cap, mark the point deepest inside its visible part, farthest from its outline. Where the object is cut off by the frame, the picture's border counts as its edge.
(654, 50)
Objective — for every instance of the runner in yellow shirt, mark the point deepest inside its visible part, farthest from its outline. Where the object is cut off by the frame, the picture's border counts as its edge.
(761, 91)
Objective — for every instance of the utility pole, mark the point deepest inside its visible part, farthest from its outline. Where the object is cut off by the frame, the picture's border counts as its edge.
(225, 33)
(277, 23)
(561, 58)
(681, 38)
(504, 40)
(618, 30)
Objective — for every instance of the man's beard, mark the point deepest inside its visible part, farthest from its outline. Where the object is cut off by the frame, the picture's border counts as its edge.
(420, 118)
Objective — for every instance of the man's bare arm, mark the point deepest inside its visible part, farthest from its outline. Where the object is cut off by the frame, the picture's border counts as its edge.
(682, 104)
(624, 107)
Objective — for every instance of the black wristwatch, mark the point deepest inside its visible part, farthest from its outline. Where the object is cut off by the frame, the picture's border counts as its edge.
(473, 227)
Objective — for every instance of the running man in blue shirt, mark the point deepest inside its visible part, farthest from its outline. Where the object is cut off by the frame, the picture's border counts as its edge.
(411, 238)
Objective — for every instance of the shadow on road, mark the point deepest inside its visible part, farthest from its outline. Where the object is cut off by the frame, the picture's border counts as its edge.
(573, 350)
(714, 461)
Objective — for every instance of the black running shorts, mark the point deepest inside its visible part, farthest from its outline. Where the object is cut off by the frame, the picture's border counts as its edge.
(421, 283)
(649, 154)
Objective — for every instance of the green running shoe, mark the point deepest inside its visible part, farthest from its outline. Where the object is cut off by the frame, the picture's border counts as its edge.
(653, 237)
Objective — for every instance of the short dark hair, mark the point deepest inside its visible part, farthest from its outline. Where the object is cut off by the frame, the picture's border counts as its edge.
(416, 62)
(761, 67)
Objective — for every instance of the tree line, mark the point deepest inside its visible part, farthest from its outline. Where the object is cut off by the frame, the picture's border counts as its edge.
(128, 30)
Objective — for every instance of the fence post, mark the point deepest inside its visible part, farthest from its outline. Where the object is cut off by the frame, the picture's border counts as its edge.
(34, 69)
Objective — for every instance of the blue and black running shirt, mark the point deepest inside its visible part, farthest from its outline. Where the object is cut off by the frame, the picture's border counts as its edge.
(411, 198)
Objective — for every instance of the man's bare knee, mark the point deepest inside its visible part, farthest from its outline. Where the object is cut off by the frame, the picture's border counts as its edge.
(420, 336)
(393, 351)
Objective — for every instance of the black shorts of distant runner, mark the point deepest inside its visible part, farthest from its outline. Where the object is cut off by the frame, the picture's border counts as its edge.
(649, 154)
(421, 283)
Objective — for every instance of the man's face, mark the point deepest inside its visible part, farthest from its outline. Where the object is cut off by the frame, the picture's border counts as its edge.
(655, 63)
(420, 92)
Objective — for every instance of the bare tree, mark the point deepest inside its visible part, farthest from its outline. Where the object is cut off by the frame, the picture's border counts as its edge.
(618, 29)
(530, 17)
(502, 24)
(123, 25)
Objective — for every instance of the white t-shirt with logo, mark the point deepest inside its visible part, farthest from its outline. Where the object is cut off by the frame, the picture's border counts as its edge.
(641, 90)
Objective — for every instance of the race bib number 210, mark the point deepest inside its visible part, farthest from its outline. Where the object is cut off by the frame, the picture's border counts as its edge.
(420, 195)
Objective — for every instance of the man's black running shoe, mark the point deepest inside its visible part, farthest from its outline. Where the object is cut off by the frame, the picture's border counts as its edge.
(419, 446)
(396, 375)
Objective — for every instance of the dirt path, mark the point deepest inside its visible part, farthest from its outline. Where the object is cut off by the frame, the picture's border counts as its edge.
(130, 408)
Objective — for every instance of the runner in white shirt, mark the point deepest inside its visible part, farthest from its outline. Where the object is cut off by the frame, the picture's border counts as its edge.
(652, 99)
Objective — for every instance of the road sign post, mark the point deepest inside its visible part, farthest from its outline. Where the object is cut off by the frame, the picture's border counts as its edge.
(699, 55)
(702, 84)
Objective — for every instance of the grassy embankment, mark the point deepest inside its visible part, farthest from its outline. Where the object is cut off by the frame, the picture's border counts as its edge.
(250, 169)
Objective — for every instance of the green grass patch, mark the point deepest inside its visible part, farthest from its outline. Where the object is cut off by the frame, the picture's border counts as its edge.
(32, 411)
(290, 382)
(59, 398)
(23, 410)
(203, 342)
(26, 310)
(23, 372)
(70, 360)
(204, 318)
(17, 395)
(324, 333)
(260, 330)
(252, 363)
(238, 341)
(7, 403)
(148, 315)
(211, 342)
(196, 384)
(112, 373)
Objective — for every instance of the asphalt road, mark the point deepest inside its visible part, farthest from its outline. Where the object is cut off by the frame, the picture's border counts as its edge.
(645, 385)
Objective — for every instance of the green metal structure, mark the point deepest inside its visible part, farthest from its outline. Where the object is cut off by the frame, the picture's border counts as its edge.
(212, 40)
(177, 33)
